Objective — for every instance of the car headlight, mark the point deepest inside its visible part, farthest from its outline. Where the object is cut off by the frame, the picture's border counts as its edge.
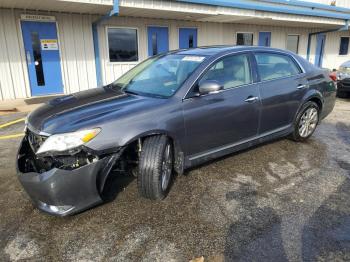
(66, 141)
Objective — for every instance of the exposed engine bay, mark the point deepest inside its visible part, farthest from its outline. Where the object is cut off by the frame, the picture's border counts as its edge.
(29, 161)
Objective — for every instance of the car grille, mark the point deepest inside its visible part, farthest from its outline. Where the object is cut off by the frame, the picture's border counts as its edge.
(35, 140)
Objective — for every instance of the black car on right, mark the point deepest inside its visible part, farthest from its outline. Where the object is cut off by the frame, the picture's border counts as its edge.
(343, 80)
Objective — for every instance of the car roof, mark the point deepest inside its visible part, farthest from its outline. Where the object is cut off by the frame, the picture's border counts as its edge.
(214, 50)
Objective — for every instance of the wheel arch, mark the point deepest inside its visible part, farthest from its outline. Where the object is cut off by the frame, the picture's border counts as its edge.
(178, 148)
(314, 96)
(316, 100)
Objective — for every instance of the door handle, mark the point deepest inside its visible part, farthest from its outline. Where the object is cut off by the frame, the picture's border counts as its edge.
(302, 86)
(251, 99)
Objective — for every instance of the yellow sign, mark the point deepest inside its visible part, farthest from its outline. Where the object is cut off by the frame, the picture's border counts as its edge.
(49, 44)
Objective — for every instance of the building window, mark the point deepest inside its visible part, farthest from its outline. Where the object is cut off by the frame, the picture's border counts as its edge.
(344, 46)
(293, 43)
(244, 38)
(122, 44)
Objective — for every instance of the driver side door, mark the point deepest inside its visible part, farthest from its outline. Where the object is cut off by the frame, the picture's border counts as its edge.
(220, 121)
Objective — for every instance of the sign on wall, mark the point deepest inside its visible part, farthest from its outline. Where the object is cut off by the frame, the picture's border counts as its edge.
(39, 18)
(49, 44)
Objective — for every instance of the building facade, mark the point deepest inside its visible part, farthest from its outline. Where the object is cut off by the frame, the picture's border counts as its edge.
(65, 46)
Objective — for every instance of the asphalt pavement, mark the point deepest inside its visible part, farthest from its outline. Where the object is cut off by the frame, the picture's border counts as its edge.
(281, 201)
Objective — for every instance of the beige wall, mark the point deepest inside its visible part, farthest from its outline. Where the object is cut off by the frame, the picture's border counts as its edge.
(77, 53)
(214, 34)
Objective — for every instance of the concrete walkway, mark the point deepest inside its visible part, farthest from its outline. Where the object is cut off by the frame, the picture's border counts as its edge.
(23, 105)
(16, 105)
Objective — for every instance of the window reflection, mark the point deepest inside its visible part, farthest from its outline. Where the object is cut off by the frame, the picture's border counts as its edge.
(38, 63)
(122, 44)
(244, 38)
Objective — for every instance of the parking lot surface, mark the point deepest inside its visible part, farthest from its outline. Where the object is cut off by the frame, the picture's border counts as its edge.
(282, 201)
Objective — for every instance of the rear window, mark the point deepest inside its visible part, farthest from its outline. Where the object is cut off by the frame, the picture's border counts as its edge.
(274, 66)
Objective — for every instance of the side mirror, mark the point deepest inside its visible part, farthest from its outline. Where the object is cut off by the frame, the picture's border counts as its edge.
(209, 86)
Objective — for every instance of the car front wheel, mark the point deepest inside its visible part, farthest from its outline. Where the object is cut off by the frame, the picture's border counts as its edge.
(306, 121)
(155, 167)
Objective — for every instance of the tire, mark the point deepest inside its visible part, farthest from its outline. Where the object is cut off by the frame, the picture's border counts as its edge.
(306, 117)
(156, 167)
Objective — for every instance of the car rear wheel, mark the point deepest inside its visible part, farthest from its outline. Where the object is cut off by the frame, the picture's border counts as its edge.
(155, 167)
(306, 121)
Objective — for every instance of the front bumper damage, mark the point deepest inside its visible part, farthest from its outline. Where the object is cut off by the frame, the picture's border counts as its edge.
(61, 190)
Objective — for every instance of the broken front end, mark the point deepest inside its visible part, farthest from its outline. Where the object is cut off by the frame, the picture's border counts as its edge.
(63, 182)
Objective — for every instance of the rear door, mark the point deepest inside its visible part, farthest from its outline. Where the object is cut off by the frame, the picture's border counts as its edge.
(282, 86)
(220, 119)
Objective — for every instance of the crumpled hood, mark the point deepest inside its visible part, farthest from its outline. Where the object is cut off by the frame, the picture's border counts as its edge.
(87, 109)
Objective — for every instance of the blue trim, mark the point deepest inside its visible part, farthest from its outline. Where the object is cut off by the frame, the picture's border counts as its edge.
(113, 12)
(268, 5)
(309, 4)
(97, 54)
(343, 28)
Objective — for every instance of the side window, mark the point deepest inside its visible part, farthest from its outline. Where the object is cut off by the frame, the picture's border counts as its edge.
(231, 71)
(273, 66)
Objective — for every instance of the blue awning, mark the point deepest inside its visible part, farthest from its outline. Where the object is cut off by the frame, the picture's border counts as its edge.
(294, 7)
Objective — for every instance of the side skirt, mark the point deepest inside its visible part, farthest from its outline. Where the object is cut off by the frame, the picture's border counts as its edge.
(206, 156)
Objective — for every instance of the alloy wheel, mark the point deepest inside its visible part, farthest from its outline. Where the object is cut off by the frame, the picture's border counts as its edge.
(167, 167)
(308, 122)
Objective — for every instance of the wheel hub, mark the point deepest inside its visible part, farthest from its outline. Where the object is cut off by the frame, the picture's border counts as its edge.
(308, 122)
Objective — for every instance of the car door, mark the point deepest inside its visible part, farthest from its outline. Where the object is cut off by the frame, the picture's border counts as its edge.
(282, 86)
(218, 120)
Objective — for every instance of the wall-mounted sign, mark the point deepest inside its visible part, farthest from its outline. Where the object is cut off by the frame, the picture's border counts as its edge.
(49, 44)
(39, 18)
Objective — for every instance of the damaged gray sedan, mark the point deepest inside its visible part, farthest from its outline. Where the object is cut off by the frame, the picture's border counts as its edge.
(170, 112)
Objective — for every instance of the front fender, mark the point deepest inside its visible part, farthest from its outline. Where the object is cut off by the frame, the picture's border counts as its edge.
(167, 120)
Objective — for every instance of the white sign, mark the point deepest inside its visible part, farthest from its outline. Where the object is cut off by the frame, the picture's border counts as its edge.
(193, 58)
(39, 18)
(49, 44)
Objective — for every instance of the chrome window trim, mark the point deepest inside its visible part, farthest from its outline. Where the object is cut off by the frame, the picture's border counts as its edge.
(284, 77)
(279, 78)
(211, 64)
(303, 71)
(228, 146)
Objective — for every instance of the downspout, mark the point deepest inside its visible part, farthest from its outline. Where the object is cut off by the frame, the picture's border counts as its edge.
(343, 28)
(95, 24)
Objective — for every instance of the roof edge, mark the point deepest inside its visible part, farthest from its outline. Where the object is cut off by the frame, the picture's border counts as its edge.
(282, 6)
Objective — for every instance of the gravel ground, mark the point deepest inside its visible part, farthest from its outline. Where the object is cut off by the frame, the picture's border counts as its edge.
(282, 201)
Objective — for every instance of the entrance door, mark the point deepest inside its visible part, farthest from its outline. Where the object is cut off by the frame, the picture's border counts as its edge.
(158, 40)
(321, 41)
(187, 38)
(265, 39)
(43, 58)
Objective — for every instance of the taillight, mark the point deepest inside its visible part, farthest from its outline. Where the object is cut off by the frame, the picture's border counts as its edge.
(333, 76)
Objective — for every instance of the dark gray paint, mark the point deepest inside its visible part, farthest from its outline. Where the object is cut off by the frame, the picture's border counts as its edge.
(202, 127)
(196, 123)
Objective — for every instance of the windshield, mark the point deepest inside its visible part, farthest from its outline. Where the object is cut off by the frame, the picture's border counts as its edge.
(159, 76)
